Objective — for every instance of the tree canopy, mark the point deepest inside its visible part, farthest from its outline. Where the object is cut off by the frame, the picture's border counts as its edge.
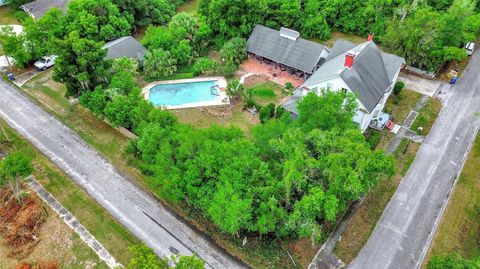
(144, 257)
(81, 64)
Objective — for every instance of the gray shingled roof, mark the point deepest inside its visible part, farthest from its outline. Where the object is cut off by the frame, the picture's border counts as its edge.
(125, 46)
(38, 8)
(298, 53)
(370, 76)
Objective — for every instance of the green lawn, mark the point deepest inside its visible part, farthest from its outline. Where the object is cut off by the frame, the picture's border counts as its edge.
(399, 106)
(427, 116)
(365, 219)
(267, 92)
(190, 7)
(7, 16)
(459, 230)
(108, 232)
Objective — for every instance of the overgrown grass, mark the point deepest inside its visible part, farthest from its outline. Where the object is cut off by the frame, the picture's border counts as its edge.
(426, 117)
(267, 92)
(106, 229)
(365, 219)
(459, 230)
(7, 16)
(189, 7)
(399, 106)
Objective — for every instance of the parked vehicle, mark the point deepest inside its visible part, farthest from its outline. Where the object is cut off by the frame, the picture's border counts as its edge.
(470, 47)
(46, 62)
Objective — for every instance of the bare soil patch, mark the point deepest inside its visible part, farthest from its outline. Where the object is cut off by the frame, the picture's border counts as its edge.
(20, 223)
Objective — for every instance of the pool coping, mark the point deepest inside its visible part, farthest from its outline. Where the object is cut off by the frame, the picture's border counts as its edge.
(221, 100)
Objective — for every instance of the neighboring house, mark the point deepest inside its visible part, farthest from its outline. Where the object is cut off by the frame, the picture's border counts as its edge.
(287, 49)
(38, 8)
(360, 69)
(126, 46)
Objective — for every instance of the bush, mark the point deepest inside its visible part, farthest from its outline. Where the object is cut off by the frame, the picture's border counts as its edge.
(374, 139)
(397, 89)
(234, 51)
(229, 70)
(267, 112)
(159, 63)
(279, 112)
(205, 66)
(289, 87)
(249, 102)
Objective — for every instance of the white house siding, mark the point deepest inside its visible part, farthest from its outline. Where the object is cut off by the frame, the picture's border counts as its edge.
(2, 2)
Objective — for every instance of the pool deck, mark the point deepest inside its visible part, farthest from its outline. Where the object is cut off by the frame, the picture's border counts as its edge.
(221, 100)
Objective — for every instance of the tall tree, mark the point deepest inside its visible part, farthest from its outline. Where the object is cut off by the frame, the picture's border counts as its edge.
(98, 20)
(147, 12)
(81, 64)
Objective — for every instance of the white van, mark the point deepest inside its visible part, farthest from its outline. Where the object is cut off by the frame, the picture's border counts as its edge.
(470, 47)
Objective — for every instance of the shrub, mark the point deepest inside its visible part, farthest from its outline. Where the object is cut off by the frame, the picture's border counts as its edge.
(374, 139)
(267, 112)
(397, 89)
(229, 70)
(279, 112)
(205, 66)
(249, 102)
(159, 63)
(234, 51)
(289, 87)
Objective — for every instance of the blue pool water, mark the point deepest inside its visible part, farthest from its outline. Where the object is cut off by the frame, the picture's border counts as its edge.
(182, 93)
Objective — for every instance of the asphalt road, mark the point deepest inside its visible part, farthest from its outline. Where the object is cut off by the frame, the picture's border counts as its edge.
(147, 219)
(403, 235)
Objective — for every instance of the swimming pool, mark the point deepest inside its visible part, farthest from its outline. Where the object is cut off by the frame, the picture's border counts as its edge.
(187, 93)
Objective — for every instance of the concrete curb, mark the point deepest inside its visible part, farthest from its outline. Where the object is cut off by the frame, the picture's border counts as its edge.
(73, 223)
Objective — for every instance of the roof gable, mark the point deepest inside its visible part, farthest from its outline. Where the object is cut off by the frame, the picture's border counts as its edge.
(126, 46)
(370, 77)
(285, 47)
(38, 8)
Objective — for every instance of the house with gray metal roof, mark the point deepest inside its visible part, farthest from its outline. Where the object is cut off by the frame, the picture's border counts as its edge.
(126, 46)
(38, 8)
(286, 48)
(363, 70)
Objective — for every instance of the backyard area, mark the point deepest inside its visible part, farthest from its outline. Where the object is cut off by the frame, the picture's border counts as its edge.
(459, 230)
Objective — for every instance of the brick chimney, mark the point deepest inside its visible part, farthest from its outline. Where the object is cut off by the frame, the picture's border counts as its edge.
(370, 37)
(349, 59)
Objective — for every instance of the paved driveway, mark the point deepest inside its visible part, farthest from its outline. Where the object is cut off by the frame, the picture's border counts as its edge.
(134, 208)
(404, 233)
(418, 84)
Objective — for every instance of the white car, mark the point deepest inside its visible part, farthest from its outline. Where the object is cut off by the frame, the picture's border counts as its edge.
(46, 62)
(470, 47)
